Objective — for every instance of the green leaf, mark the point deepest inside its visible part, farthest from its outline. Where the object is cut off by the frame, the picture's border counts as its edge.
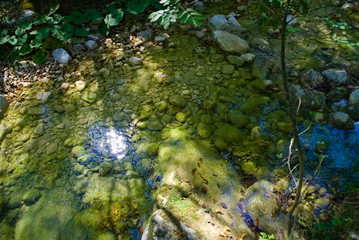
(12, 40)
(22, 39)
(25, 49)
(81, 32)
(77, 17)
(19, 31)
(4, 38)
(155, 15)
(52, 43)
(92, 14)
(35, 43)
(137, 6)
(26, 25)
(40, 20)
(39, 57)
(41, 33)
(114, 18)
(110, 8)
(56, 19)
(14, 57)
(104, 29)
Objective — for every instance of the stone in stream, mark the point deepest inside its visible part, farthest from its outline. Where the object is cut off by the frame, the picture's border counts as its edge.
(353, 111)
(341, 120)
(226, 23)
(178, 100)
(354, 97)
(230, 43)
(312, 78)
(135, 61)
(336, 77)
(43, 96)
(61, 56)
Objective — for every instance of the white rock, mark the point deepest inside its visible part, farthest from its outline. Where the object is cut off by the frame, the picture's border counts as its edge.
(61, 56)
(91, 44)
(80, 85)
(43, 96)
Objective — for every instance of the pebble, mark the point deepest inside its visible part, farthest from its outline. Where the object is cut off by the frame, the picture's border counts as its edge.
(61, 56)
(91, 44)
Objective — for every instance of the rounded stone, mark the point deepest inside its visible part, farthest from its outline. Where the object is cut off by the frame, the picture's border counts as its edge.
(341, 120)
(354, 97)
(178, 100)
(227, 69)
(181, 117)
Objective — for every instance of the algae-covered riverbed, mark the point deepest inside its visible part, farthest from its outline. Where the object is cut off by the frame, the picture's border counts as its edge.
(175, 139)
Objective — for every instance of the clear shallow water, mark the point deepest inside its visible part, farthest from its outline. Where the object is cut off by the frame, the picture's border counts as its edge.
(80, 167)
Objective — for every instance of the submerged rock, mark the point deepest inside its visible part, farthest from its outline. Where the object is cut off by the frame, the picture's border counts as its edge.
(230, 43)
(178, 100)
(5, 128)
(31, 196)
(230, 133)
(135, 61)
(163, 226)
(341, 120)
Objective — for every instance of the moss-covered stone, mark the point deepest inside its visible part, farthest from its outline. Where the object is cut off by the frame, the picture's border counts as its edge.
(230, 133)
(249, 168)
(31, 196)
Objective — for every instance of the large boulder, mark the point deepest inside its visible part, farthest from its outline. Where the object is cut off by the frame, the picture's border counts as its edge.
(336, 77)
(260, 203)
(162, 226)
(341, 120)
(230, 43)
(309, 99)
(225, 23)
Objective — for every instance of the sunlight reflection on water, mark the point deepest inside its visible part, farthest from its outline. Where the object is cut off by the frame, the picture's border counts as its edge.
(116, 143)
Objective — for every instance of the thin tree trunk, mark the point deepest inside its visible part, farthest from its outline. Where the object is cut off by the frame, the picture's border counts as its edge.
(292, 116)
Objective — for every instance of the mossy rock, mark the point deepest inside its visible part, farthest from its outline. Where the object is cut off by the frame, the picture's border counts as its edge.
(229, 133)
(249, 168)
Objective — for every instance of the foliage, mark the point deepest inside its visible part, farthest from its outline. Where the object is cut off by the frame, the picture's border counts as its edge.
(174, 10)
(52, 30)
(341, 26)
(265, 236)
(331, 230)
